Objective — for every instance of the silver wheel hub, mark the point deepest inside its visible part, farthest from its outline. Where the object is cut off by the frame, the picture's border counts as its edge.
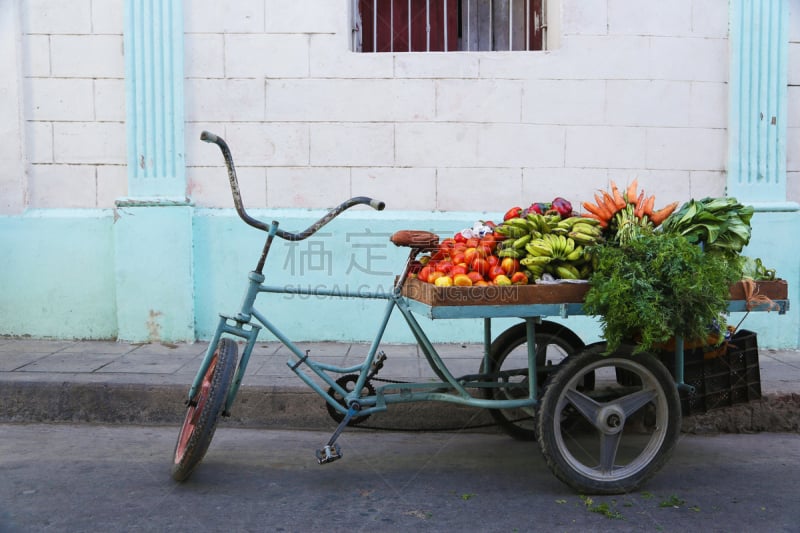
(610, 419)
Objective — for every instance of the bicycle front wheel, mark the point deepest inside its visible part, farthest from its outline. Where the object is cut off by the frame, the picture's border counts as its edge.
(204, 410)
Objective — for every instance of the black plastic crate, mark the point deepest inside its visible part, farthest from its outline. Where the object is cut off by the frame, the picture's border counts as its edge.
(728, 379)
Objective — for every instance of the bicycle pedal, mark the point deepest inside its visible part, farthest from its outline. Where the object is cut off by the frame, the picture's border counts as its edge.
(329, 454)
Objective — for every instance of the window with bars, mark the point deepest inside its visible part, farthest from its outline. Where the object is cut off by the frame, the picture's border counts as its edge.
(448, 25)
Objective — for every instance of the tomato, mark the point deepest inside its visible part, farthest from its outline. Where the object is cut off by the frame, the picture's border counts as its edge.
(462, 280)
(458, 269)
(519, 278)
(435, 275)
(424, 273)
(502, 280)
(444, 266)
(444, 281)
(475, 276)
(490, 241)
(496, 271)
(480, 265)
(472, 242)
(510, 265)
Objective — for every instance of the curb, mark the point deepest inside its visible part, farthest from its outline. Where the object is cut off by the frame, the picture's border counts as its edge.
(293, 408)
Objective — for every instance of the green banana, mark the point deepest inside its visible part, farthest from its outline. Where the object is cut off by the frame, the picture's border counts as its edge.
(582, 238)
(587, 220)
(587, 229)
(510, 252)
(576, 254)
(518, 222)
(514, 232)
(534, 272)
(520, 243)
(569, 247)
(531, 260)
(539, 247)
(567, 272)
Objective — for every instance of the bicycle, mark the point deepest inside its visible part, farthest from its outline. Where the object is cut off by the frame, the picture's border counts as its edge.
(537, 378)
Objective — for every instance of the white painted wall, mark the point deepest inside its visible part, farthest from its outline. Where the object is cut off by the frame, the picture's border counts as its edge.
(634, 89)
(13, 193)
(74, 102)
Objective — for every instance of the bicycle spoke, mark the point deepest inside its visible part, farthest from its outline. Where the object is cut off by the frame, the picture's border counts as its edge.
(584, 405)
(609, 444)
(635, 401)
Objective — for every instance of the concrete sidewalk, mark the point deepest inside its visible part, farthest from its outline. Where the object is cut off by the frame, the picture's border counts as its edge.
(112, 382)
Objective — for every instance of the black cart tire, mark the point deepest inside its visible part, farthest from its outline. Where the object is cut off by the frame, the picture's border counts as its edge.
(509, 360)
(203, 412)
(638, 422)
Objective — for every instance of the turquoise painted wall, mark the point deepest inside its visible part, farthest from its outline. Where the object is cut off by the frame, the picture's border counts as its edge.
(57, 272)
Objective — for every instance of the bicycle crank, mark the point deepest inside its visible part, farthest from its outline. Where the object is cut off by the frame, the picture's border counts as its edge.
(348, 382)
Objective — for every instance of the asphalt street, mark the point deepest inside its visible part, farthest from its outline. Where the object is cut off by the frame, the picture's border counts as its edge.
(57, 477)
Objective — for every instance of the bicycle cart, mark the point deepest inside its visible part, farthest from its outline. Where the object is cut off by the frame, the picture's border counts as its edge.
(605, 423)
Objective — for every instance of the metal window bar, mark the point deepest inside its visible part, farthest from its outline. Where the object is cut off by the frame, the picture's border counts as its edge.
(510, 25)
(428, 25)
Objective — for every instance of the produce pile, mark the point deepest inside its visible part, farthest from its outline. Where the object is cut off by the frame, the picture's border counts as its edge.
(546, 241)
(653, 272)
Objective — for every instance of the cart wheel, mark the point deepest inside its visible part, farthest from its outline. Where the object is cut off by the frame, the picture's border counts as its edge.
(204, 410)
(638, 423)
(509, 359)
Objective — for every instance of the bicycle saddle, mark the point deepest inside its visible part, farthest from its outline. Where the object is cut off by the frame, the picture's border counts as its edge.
(424, 240)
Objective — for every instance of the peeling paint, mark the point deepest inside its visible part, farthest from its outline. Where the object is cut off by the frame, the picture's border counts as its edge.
(153, 326)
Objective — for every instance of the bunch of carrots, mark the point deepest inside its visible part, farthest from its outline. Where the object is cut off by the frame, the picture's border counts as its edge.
(607, 204)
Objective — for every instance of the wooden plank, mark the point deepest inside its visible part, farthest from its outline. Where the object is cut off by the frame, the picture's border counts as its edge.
(432, 295)
(774, 290)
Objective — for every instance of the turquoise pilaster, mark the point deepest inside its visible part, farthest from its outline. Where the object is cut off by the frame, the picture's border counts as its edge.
(759, 48)
(759, 45)
(153, 227)
(154, 97)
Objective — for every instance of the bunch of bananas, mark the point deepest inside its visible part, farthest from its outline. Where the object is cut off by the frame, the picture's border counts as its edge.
(550, 244)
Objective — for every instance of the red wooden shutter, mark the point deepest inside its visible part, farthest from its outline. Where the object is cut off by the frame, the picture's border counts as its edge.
(393, 21)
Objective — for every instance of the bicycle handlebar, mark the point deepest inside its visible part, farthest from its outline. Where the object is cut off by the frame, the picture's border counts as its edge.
(287, 235)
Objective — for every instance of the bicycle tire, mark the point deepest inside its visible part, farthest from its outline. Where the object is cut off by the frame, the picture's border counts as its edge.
(512, 344)
(637, 422)
(204, 410)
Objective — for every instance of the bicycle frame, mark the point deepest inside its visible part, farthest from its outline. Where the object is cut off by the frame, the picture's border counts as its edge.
(247, 325)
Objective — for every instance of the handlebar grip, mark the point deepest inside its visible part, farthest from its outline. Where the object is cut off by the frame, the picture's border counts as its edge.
(377, 205)
(208, 137)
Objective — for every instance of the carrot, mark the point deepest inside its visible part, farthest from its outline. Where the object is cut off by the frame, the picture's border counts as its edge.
(637, 211)
(648, 206)
(630, 192)
(606, 213)
(609, 202)
(603, 223)
(659, 216)
(619, 201)
(593, 209)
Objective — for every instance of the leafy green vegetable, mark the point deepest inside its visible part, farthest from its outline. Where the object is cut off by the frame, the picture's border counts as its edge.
(720, 225)
(754, 269)
(657, 286)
